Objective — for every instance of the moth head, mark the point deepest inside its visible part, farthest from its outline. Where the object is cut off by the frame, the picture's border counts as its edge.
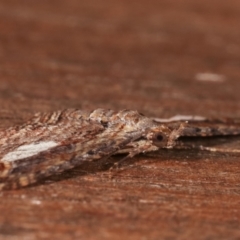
(159, 136)
(165, 136)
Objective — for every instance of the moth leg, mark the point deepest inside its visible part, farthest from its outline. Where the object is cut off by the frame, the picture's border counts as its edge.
(175, 134)
(141, 146)
(145, 145)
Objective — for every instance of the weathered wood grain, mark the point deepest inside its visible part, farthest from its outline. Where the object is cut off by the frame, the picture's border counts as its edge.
(144, 55)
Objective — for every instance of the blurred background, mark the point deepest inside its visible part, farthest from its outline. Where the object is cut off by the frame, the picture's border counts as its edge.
(160, 57)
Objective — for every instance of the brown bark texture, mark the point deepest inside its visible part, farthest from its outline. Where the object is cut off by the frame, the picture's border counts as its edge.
(161, 58)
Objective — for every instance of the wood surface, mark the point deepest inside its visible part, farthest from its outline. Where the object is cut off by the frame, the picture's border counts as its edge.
(145, 55)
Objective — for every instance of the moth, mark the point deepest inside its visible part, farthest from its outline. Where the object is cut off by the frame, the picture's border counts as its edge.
(51, 143)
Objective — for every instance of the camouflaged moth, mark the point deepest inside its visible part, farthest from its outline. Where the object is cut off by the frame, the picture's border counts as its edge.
(54, 142)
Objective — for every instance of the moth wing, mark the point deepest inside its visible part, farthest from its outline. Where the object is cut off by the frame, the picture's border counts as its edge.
(33, 160)
(28, 151)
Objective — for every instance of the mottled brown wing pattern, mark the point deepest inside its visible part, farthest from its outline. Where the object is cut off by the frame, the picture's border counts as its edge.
(51, 143)
(41, 146)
